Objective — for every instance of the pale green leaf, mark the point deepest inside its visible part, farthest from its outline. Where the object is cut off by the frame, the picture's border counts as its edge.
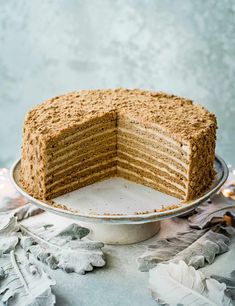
(24, 284)
(196, 248)
(177, 283)
(9, 236)
(64, 250)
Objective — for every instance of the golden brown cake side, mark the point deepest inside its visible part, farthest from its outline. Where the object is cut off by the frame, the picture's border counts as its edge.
(201, 171)
(159, 140)
(150, 156)
(33, 160)
(83, 154)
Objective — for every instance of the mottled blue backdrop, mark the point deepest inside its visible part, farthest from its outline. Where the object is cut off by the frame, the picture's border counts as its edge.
(51, 47)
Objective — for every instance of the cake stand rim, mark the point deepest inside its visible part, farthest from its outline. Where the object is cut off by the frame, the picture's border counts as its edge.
(125, 219)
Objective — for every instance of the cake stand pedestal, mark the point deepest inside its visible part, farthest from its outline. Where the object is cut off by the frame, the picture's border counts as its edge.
(121, 233)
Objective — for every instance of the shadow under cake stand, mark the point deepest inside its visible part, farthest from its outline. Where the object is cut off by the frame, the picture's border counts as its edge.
(118, 211)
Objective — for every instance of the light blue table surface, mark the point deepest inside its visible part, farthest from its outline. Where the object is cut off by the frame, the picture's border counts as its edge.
(120, 283)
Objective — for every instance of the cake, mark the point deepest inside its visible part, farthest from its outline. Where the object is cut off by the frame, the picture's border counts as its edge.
(151, 138)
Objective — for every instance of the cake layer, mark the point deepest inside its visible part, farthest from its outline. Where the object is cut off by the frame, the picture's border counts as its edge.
(70, 157)
(99, 128)
(153, 155)
(149, 174)
(81, 182)
(82, 135)
(108, 136)
(152, 133)
(76, 126)
(155, 184)
(76, 155)
(135, 131)
(156, 168)
(160, 152)
(85, 172)
(155, 145)
(81, 165)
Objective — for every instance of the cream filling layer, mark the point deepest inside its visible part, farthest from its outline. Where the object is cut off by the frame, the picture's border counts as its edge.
(59, 158)
(84, 170)
(93, 158)
(67, 157)
(158, 137)
(154, 165)
(72, 155)
(156, 129)
(101, 125)
(149, 180)
(80, 142)
(124, 161)
(86, 178)
(96, 158)
(152, 143)
(151, 172)
(115, 129)
(158, 151)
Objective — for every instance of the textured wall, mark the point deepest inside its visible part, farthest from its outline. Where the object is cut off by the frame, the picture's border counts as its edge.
(51, 47)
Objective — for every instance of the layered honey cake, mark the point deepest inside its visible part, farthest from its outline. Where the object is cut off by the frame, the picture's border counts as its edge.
(155, 139)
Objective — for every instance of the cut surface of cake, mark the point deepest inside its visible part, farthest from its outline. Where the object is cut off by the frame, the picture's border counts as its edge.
(155, 139)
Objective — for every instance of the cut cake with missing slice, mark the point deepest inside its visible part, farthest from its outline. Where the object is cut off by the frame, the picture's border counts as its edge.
(155, 139)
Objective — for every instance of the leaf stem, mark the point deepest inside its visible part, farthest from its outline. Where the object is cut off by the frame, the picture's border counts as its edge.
(38, 238)
(18, 272)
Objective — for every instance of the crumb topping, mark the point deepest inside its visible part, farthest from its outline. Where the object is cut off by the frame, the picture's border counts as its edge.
(176, 115)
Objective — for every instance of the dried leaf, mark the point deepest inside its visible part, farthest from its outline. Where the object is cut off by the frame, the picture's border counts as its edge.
(206, 212)
(64, 250)
(12, 202)
(8, 235)
(178, 284)
(196, 248)
(165, 249)
(27, 211)
(73, 231)
(8, 244)
(204, 250)
(8, 226)
(230, 284)
(23, 283)
(10, 198)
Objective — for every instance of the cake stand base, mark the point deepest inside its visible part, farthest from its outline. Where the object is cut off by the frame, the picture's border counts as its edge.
(121, 233)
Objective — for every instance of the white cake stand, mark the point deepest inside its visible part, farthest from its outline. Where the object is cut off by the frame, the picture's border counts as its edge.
(118, 211)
